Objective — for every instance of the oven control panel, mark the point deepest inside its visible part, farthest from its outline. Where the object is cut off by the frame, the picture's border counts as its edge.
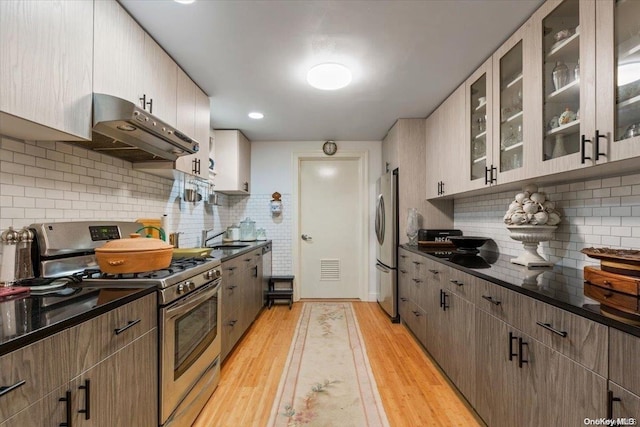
(104, 232)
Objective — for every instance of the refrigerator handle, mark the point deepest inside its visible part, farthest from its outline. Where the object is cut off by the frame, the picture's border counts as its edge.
(380, 220)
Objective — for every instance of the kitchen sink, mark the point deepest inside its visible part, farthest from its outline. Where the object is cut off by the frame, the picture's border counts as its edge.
(229, 246)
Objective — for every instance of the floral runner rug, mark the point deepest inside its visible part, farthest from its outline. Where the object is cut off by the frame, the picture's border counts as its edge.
(327, 380)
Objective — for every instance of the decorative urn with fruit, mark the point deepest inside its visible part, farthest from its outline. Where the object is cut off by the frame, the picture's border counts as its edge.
(531, 219)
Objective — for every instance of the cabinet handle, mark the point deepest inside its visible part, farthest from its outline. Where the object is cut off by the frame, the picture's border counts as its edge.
(491, 300)
(403, 271)
(494, 180)
(455, 282)
(416, 313)
(403, 299)
(511, 353)
(417, 262)
(247, 259)
(439, 188)
(87, 400)
(131, 323)
(146, 103)
(417, 280)
(232, 322)
(583, 153)
(403, 256)
(232, 287)
(231, 268)
(9, 388)
(486, 175)
(521, 345)
(597, 141)
(255, 271)
(548, 327)
(610, 399)
(69, 416)
(443, 300)
(433, 271)
(246, 186)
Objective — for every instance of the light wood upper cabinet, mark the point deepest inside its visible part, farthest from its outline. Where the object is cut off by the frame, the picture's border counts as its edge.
(618, 79)
(45, 69)
(390, 150)
(193, 117)
(159, 81)
(564, 38)
(233, 162)
(479, 163)
(118, 61)
(129, 64)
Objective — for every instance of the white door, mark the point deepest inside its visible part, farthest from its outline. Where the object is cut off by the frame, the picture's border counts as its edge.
(331, 228)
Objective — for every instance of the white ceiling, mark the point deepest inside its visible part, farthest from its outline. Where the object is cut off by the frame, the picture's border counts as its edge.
(405, 56)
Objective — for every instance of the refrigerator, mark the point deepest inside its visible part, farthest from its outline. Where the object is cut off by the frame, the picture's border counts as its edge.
(386, 226)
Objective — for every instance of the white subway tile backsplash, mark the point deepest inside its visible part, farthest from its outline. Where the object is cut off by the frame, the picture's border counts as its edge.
(597, 213)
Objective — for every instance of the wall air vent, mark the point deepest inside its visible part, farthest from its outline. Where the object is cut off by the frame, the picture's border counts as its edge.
(329, 269)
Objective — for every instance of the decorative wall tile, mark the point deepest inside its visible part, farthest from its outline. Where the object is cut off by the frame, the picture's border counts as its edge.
(595, 213)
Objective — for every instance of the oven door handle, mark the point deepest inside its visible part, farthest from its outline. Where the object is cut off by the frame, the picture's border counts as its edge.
(191, 300)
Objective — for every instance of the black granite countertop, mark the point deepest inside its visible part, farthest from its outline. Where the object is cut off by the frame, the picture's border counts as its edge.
(26, 318)
(227, 254)
(553, 285)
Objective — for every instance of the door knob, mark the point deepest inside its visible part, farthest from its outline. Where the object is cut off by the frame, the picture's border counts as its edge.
(306, 237)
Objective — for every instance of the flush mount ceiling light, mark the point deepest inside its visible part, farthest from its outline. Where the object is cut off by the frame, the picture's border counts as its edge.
(329, 76)
(184, 1)
(628, 73)
(256, 115)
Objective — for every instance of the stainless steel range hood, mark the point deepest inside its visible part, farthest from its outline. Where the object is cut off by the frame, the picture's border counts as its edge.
(122, 129)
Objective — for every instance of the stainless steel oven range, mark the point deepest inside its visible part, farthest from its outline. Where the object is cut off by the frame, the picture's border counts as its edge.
(189, 314)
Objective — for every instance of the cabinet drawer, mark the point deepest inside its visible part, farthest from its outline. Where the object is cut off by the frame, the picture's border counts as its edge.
(502, 303)
(462, 284)
(624, 364)
(417, 322)
(96, 339)
(403, 259)
(34, 371)
(437, 274)
(578, 338)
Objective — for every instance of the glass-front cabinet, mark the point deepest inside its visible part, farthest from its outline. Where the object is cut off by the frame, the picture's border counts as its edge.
(565, 35)
(618, 79)
(479, 129)
(511, 113)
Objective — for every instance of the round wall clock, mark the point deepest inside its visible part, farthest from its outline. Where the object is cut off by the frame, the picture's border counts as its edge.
(329, 148)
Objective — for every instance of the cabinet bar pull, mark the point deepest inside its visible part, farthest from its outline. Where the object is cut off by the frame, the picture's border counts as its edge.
(486, 175)
(9, 388)
(511, 353)
(455, 282)
(403, 299)
(433, 271)
(610, 400)
(417, 262)
(231, 268)
(127, 326)
(583, 154)
(521, 344)
(597, 141)
(87, 400)
(232, 322)
(403, 256)
(67, 400)
(417, 280)
(548, 327)
(232, 287)
(403, 271)
(491, 300)
(443, 300)
(493, 180)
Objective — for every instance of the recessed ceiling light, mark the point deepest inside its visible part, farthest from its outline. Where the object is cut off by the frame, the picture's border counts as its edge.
(329, 76)
(184, 1)
(256, 115)
(628, 73)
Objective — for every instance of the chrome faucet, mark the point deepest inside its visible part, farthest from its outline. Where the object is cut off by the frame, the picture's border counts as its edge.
(206, 232)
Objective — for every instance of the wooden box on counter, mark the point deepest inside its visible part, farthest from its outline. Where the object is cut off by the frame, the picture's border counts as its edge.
(613, 290)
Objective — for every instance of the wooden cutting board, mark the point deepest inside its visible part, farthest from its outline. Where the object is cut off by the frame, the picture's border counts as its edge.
(150, 222)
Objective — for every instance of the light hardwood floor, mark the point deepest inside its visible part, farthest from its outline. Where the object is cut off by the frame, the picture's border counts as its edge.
(413, 391)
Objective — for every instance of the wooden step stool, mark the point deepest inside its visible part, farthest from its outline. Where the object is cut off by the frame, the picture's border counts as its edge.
(281, 292)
